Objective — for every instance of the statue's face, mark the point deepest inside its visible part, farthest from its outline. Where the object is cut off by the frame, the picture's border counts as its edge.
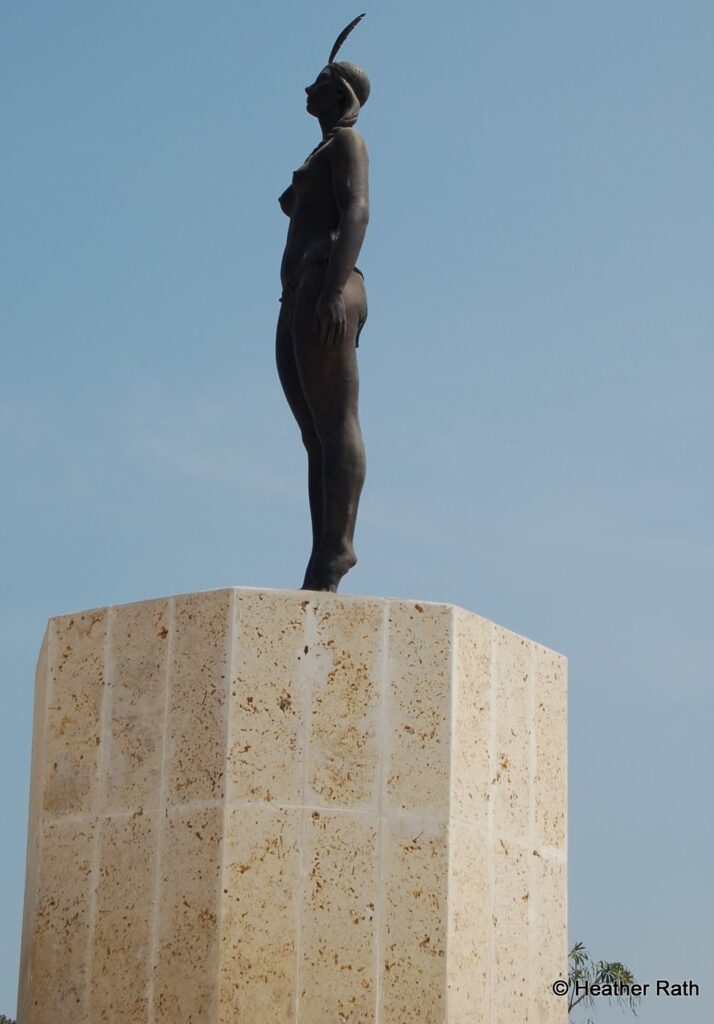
(323, 94)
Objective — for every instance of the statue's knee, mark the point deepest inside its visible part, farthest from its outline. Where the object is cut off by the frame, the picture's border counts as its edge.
(342, 432)
(311, 442)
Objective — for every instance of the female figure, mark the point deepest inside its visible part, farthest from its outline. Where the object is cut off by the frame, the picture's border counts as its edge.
(323, 309)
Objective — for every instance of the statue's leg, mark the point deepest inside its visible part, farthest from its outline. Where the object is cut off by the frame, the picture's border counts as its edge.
(290, 380)
(329, 381)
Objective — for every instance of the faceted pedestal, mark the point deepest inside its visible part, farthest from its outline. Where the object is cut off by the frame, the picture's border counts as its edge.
(275, 806)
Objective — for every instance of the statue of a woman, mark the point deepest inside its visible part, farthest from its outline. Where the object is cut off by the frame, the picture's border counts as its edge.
(323, 310)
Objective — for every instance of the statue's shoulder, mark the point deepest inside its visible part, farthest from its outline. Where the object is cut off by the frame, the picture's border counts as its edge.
(350, 141)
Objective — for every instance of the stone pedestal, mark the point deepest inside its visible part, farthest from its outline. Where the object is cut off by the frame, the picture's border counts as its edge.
(275, 807)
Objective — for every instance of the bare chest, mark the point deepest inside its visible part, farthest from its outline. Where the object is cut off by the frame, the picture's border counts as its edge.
(314, 177)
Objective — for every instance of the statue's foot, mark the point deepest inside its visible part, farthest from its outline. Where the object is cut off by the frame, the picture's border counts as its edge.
(325, 573)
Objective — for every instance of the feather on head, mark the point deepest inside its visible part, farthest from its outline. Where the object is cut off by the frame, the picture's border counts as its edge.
(342, 36)
(354, 76)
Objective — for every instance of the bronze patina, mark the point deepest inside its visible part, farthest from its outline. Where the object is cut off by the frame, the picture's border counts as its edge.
(323, 310)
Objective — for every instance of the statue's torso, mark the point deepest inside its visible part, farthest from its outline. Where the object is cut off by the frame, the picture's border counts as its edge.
(315, 215)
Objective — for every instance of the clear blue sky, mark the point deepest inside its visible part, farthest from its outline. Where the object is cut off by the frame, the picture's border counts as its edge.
(537, 370)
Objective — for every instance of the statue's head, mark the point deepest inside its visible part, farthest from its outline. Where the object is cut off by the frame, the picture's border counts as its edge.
(353, 77)
(340, 86)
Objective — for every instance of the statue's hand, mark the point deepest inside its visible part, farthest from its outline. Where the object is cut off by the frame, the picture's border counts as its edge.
(331, 319)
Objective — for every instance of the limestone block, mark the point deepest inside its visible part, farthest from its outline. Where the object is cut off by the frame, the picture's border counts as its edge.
(281, 807)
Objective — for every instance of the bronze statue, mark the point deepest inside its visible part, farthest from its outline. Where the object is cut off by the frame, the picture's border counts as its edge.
(323, 309)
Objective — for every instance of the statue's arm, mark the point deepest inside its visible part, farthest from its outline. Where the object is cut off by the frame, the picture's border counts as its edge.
(287, 201)
(350, 176)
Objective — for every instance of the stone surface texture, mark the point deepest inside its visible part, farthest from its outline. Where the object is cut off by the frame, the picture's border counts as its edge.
(282, 807)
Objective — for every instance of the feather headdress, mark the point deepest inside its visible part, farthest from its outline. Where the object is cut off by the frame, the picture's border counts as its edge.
(342, 36)
(355, 77)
